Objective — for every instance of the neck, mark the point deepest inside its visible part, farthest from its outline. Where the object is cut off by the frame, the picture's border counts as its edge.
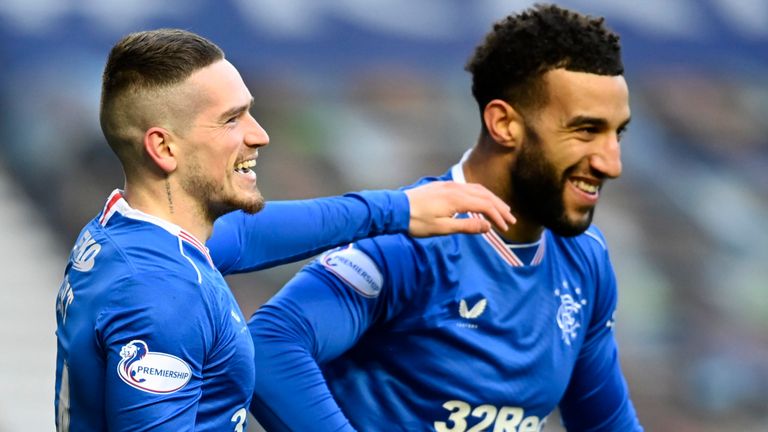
(167, 201)
(489, 165)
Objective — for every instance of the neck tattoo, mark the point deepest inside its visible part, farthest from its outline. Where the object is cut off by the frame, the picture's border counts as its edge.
(168, 194)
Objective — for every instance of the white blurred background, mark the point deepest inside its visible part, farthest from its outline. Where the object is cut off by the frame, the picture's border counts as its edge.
(372, 94)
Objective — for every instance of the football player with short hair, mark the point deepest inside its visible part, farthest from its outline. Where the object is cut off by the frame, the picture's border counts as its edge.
(149, 335)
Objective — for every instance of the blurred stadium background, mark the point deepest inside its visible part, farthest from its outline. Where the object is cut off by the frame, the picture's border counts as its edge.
(372, 94)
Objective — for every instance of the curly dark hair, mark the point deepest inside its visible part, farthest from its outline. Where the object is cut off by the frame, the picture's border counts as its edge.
(510, 62)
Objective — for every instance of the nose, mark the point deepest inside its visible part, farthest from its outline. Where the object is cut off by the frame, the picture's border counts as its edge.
(255, 135)
(607, 159)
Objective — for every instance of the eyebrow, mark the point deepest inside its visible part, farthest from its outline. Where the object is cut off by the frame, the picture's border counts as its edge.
(594, 121)
(232, 112)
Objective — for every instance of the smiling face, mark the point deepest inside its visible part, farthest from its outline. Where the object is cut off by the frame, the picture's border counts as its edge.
(571, 148)
(220, 146)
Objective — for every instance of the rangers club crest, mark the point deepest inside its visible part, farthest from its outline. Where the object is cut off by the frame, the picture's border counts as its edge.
(569, 312)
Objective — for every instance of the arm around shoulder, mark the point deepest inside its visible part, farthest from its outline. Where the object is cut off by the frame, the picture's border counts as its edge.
(287, 231)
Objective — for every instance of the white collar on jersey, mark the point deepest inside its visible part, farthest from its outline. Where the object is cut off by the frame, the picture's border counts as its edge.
(117, 204)
(505, 251)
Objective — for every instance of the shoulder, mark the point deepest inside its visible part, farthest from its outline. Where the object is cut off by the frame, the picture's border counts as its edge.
(156, 302)
(587, 254)
(402, 249)
(395, 261)
(97, 263)
(591, 244)
(367, 261)
(160, 291)
(594, 238)
(145, 248)
(429, 179)
(118, 258)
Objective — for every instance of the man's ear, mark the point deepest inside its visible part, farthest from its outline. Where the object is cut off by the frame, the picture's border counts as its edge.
(504, 123)
(158, 143)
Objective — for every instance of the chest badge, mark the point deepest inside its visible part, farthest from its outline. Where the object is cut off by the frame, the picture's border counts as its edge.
(569, 312)
(471, 313)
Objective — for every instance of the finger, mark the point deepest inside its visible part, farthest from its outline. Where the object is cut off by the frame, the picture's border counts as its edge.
(493, 215)
(499, 213)
(485, 206)
(483, 201)
(503, 208)
(465, 225)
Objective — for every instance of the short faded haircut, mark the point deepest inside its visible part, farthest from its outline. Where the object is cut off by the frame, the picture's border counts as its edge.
(142, 71)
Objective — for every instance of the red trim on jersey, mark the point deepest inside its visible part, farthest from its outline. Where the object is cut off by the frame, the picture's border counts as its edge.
(494, 240)
(196, 243)
(506, 253)
(116, 196)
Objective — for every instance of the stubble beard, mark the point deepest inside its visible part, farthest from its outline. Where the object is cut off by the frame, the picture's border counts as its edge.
(213, 198)
(538, 190)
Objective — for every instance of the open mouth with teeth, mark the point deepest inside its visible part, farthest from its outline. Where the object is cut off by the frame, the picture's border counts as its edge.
(245, 167)
(584, 191)
(587, 188)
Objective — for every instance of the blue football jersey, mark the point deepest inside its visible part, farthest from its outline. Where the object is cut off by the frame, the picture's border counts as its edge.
(450, 334)
(149, 334)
